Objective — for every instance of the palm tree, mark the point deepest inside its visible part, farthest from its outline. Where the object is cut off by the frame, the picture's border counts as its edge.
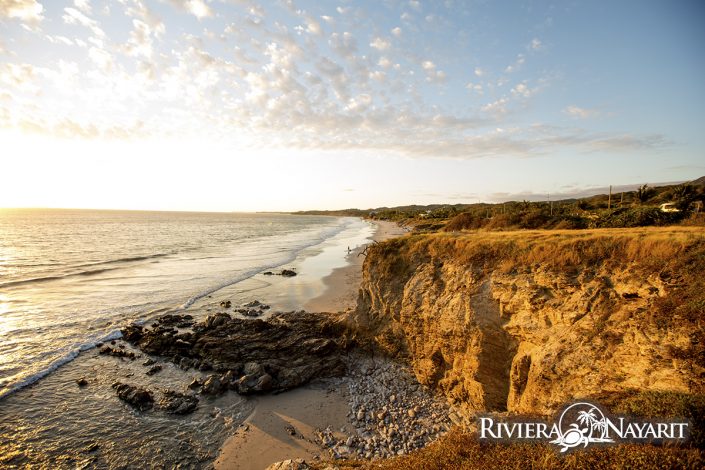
(644, 193)
(684, 195)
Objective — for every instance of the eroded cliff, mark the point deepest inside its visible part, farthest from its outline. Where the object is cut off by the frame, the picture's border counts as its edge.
(525, 321)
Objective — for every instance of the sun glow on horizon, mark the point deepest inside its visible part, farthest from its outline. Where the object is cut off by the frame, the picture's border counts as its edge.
(280, 106)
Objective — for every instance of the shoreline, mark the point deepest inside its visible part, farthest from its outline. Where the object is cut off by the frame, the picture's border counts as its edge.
(341, 285)
(289, 425)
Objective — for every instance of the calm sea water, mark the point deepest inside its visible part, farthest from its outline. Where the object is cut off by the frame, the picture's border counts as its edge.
(72, 278)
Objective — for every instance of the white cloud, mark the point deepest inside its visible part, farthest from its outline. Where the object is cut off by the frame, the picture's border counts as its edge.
(378, 76)
(344, 44)
(140, 42)
(497, 107)
(384, 62)
(433, 75)
(479, 72)
(256, 10)
(522, 90)
(580, 113)
(197, 8)
(396, 31)
(101, 58)
(415, 4)
(380, 44)
(516, 65)
(476, 87)
(25, 10)
(313, 26)
(83, 5)
(536, 45)
(73, 16)
(359, 104)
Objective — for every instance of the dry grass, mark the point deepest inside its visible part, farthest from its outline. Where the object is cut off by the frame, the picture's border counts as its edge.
(675, 254)
(558, 249)
(462, 451)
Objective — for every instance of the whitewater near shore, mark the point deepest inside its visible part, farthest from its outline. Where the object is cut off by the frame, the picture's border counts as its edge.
(46, 418)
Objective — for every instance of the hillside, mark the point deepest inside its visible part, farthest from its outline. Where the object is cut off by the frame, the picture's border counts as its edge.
(634, 208)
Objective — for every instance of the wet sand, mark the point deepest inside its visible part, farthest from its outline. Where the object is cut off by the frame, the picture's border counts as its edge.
(343, 283)
(265, 437)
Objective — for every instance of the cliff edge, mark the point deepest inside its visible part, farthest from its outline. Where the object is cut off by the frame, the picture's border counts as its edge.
(525, 321)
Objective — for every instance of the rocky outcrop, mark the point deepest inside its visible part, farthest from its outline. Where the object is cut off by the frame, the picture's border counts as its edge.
(526, 321)
(178, 403)
(135, 396)
(250, 356)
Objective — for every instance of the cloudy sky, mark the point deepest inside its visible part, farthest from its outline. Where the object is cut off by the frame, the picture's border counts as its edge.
(294, 104)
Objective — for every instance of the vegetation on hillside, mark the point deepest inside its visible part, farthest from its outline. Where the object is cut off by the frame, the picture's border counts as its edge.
(638, 208)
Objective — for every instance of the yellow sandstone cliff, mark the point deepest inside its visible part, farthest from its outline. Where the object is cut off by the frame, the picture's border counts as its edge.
(525, 321)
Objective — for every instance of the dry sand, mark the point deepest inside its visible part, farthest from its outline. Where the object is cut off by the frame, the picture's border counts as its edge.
(264, 438)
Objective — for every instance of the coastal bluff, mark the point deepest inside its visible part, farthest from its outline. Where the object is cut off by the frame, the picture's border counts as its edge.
(526, 321)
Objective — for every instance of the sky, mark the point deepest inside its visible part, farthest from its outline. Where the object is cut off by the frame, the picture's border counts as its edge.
(236, 105)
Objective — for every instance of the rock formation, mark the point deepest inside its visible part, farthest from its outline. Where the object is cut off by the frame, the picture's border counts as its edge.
(249, 356)
(524, 322)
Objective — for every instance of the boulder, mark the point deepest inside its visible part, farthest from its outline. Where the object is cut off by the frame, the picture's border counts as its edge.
(254, 383)
(116, 352)
(131, 333)
(297, 464)
(213, 385)
(288, 273)
(195, 384)
(178, 403)
(135, 396)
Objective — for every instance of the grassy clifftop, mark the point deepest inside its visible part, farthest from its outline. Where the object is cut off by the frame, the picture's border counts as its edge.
(524, 321)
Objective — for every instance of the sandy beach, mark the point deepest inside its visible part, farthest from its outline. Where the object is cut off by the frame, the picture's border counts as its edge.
(284, 426)
(342, 284)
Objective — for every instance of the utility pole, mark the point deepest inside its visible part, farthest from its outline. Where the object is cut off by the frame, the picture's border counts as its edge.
(609, 200)
(550, 203)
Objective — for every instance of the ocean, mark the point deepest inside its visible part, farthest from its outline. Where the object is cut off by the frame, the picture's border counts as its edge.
(72, 278)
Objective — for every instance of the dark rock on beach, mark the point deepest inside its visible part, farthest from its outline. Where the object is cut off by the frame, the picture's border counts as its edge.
(117, 352)
(135, 396)
(251, 356)
(82, 382)
(253, 309)
(213, 386)
(225, 304)
(178, 403)
(284, 272)
(154, 370)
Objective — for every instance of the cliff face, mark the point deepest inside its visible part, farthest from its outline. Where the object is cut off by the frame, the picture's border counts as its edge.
(525, 321)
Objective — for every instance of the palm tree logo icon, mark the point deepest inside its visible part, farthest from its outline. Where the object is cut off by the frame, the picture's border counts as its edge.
(581, 423)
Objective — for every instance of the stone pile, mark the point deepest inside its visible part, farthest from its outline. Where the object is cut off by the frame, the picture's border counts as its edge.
(391, 412)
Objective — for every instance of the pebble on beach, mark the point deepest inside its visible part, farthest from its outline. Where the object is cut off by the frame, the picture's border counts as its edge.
(391, 413)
